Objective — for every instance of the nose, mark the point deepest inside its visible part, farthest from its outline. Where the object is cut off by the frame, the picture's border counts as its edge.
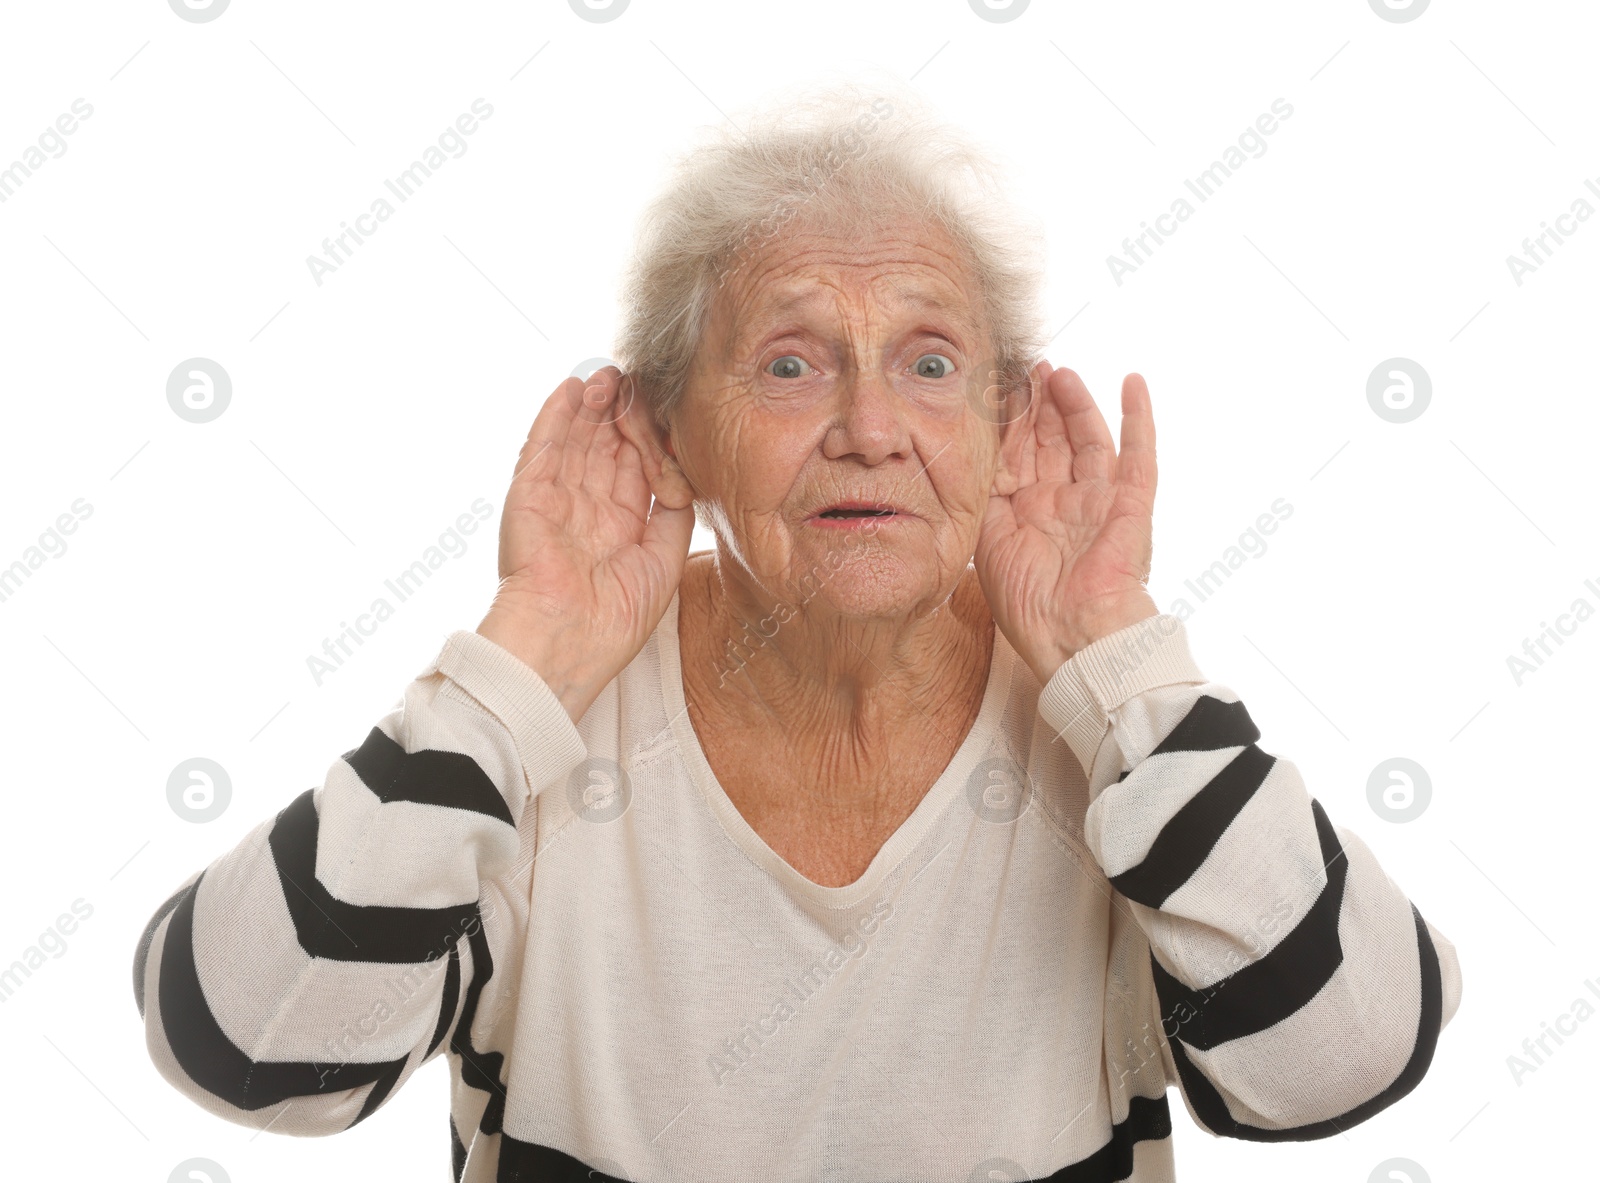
(870, 418)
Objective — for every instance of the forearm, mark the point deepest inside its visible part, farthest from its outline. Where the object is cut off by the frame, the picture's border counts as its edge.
(304, 975)
(1274, 936)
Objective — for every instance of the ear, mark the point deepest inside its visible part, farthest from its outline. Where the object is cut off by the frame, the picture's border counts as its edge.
(668, 482)
(1016, 429)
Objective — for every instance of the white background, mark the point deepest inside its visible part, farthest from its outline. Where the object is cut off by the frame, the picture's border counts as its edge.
(368, 412)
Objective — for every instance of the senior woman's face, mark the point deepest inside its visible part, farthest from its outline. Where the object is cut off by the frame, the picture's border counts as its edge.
(838, 372)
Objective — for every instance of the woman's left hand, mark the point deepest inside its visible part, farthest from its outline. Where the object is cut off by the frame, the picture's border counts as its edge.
(1063, 556)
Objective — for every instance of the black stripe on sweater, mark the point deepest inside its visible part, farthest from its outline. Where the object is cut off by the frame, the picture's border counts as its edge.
(1210, 725)
(141, 955)
(330, 928)
(479, 1070)
(447, 1004)
(458, 1151)
(211, 1059)
(1213, 1110)
(380, 1091)
(447, 1010)
(1148, 1119)
(427, 777)
(1268, 990)
(1190, 834)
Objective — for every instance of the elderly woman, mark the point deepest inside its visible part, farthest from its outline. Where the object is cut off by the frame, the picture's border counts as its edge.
(897, 837)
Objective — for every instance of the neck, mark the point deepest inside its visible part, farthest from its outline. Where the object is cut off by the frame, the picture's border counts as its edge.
(758, 661)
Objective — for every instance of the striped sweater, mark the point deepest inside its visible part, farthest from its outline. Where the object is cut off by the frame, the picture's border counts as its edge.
(1110, 890)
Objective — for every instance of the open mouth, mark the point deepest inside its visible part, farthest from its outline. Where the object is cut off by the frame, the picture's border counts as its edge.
(860, 515)
(857, 513)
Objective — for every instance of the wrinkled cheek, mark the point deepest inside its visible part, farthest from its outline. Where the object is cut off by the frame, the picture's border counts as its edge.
(963, 487)
(761, 540)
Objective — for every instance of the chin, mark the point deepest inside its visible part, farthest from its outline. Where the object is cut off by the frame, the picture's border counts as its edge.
(866, 581)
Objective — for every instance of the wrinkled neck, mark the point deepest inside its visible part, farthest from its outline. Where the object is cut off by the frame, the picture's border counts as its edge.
(799, 664)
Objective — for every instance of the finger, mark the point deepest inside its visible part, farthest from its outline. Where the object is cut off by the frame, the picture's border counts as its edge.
(630, 487)
(547, 437)
(1136, 461)
(1049, 453)
(999, 521)
(1041, 417)
(642, 443)
(605, 391)
(591, 420)
(666, 539)
(1088, 439)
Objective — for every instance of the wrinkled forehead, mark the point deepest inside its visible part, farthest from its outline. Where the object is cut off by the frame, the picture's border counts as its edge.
(900, 271)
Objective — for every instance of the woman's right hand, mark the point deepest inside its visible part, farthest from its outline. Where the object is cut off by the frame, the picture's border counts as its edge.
(587, 565)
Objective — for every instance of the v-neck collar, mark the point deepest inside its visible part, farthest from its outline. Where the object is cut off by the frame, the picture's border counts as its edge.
(901, 843)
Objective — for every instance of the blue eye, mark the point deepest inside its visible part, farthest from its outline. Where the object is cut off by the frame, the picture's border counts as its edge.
(934, 365)
(788, 366)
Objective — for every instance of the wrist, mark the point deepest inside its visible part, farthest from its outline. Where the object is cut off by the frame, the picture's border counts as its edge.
(538, 645)
(1051, 653)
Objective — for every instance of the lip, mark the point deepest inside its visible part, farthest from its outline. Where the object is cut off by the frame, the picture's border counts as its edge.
(865, 521)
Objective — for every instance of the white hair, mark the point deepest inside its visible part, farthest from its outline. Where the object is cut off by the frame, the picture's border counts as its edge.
(840, 157)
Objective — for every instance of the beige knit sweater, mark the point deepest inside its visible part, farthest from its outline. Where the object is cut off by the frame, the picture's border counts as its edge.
(1110, 890)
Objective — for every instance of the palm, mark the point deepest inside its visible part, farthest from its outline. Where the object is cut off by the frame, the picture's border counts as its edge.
(1069, 549)
(578, 538)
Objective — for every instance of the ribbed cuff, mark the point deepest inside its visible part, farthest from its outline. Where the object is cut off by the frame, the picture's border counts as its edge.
(547, 740)
(1093, 682)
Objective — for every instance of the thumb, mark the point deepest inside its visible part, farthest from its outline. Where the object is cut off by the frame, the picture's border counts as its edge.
(666, 536)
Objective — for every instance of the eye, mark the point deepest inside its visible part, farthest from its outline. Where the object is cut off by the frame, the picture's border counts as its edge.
(788, 366)
(934, 365)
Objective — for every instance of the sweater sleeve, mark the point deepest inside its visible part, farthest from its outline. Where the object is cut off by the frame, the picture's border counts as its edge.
(1276, 941)
(303, 976)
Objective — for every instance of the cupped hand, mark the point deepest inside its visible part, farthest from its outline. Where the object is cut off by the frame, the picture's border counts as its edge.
(1063, 557)
(587, 564)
